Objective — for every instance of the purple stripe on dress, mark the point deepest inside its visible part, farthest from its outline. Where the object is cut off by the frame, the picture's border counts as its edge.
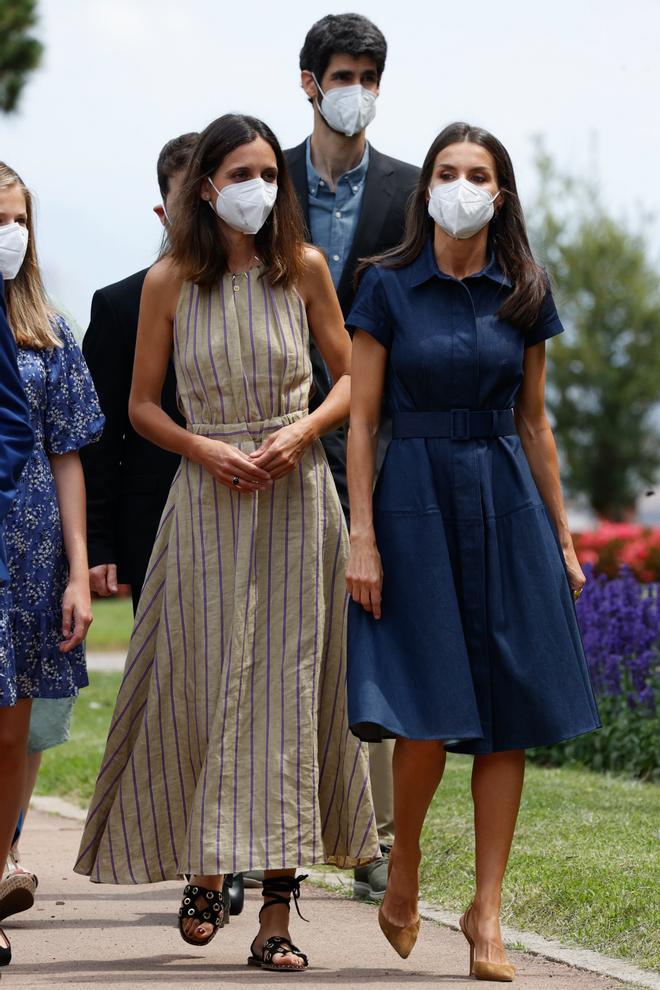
(236, 530)
(123, 828)
(285, 385)
(144, 612)
(240, 682)
(190, 376)
(330, 613)
(345, 794)
(299, 652)
(254, 667)
(136, 797)
(340, 679)
(218, 544)
(151, 796)
(248, 413)
(206, 665)
(200, 376)
(205, 599)
(230, 373)
(296, 349)
(129, 669)
(163, 521)
(193, 585)
(269, 349)
(267, 699)
(211, 358)
(183, 360)
(184, 641)
(175, 722)
(282, 684)
(320, 532)
(118, 718)
(179, 364)
(254, 353)
(108, 832)
(163, 762)
(358, 805)
(367, 832)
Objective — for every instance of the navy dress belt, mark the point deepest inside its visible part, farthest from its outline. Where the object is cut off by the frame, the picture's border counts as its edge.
(454, 424)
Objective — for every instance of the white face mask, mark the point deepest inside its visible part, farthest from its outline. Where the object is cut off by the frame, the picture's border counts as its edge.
(245, 206)
(347, 109)
(13, 245)
(461, 208)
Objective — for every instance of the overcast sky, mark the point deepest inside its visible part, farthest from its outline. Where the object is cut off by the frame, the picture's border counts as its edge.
(120, 77)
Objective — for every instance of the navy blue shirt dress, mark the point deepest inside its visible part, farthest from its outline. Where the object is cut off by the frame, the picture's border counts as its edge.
(478, 644)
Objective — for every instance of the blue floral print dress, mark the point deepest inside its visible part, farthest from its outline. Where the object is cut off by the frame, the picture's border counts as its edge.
(65, 416)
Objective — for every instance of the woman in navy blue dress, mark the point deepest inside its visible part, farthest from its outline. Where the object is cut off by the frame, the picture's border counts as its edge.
(462, 629)
(45, 607)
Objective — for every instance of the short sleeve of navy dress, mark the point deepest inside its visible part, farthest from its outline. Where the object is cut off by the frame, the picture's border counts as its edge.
(65, 416)
(478, 644)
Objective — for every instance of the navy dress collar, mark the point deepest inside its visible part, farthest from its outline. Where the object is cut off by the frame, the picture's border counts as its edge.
(425, 267)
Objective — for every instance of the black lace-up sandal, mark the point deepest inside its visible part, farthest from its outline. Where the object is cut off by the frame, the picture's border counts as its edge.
(278, 945)
(214, 911)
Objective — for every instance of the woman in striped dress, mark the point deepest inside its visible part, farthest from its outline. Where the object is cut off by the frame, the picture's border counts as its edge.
(229, 748)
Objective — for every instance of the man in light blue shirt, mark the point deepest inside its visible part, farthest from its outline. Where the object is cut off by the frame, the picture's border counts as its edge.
(334, 215)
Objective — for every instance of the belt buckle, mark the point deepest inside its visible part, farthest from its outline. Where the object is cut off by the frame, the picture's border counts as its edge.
(459, 428)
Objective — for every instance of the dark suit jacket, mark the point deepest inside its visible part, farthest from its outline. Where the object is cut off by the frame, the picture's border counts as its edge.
(127, 477)
(16, 436)
(387, 189)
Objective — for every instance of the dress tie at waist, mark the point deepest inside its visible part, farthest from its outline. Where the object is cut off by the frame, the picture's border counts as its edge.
(454, 424)
(238, 431)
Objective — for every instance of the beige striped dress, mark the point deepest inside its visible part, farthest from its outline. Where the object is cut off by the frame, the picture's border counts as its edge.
(229, 748)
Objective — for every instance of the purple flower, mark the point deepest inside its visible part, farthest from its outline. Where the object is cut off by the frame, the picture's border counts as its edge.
(620, 624)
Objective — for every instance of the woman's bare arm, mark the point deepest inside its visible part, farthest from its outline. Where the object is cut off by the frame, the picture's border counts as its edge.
(76, 604)
(364, 575)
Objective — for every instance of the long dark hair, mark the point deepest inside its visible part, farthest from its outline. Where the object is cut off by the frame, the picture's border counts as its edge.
(508, 234)
(196, 243)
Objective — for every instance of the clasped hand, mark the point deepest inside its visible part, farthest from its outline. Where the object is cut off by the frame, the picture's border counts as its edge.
(275, 458)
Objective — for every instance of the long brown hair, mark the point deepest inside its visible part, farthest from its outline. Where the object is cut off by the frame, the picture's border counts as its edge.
(508, 233)
(197, 245)
(29, 314)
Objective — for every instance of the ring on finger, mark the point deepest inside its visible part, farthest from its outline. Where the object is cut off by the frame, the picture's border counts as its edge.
(235, 481)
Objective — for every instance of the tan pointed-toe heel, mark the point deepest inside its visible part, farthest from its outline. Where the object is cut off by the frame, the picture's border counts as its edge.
(495, 972)
(401, 938)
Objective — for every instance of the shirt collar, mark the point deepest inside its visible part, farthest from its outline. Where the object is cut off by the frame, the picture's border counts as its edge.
(355, 176)
(425, 267)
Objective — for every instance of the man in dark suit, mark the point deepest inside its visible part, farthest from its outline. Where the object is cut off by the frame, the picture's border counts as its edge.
(16, 436)
(354, 203)
(127, 477)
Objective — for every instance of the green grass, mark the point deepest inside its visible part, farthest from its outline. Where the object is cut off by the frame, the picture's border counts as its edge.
(70, 770)
(584, 866)
(112, 625)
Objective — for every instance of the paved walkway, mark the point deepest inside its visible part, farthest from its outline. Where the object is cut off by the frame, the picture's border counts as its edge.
(84, 936)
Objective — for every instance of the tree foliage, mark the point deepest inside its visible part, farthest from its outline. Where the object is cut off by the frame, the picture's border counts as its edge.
(604, 372)
(20, 53)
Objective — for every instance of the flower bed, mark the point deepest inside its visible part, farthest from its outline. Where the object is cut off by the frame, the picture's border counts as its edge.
(616, 545)
(620, 625)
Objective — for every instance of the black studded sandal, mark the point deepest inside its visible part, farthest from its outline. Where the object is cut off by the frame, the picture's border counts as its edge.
(278, 945)
(214, 912)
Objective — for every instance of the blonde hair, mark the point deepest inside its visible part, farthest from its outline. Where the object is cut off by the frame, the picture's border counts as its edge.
(30, 316)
